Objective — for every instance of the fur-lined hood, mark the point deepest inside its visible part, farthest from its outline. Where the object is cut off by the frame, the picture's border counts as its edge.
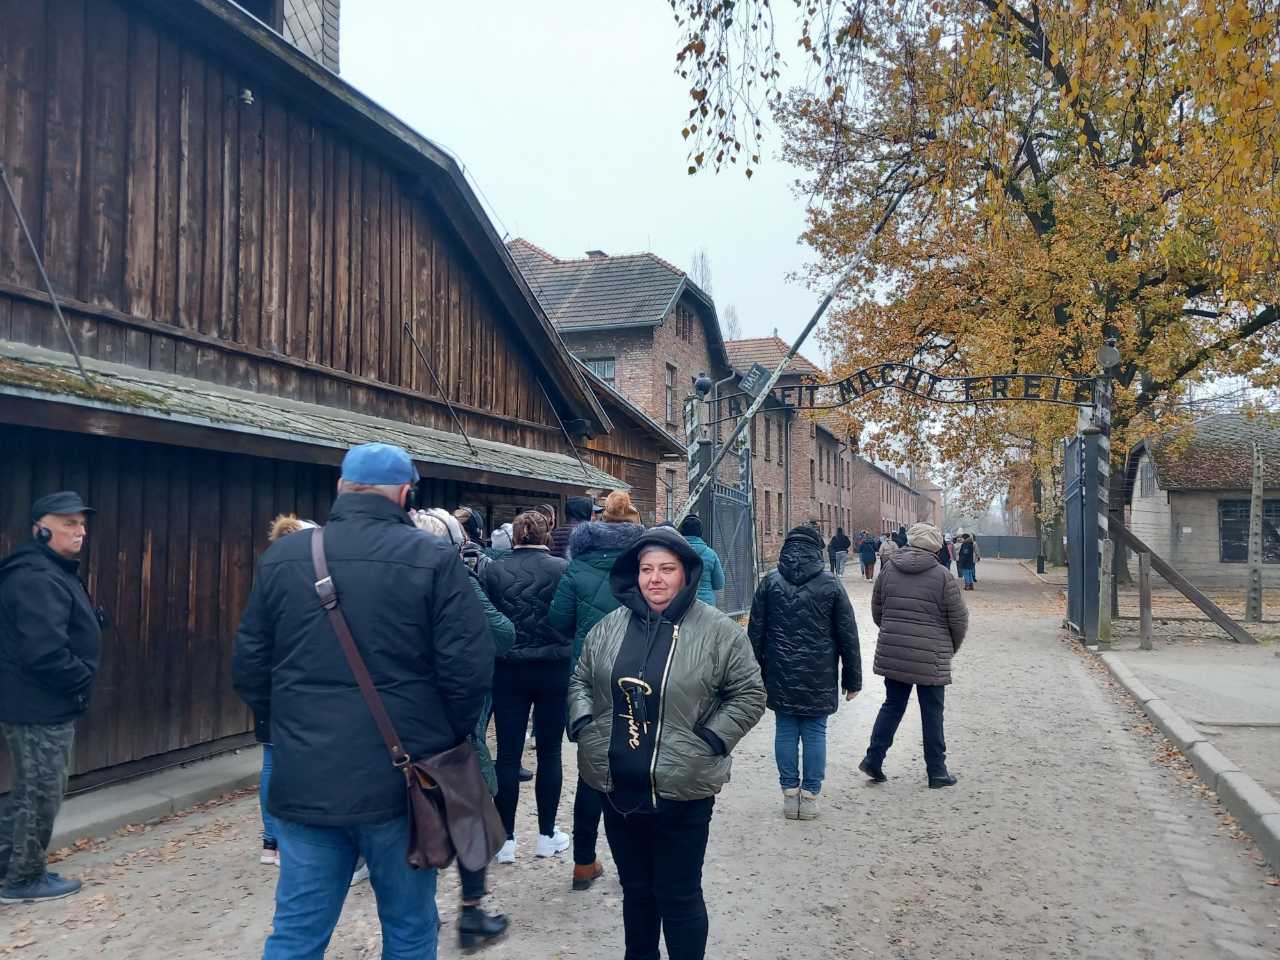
(597, 535)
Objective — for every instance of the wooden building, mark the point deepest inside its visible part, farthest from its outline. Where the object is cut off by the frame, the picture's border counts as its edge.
(260, 267)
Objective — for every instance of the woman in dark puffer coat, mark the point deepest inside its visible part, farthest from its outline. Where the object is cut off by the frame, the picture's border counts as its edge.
(582, 600)
(533, 674)
(922, 620)
(802, 629)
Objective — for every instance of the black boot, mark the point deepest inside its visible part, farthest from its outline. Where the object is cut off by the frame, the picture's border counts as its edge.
(525, 775)
(477, 928)
(873, 771)
(946, 780)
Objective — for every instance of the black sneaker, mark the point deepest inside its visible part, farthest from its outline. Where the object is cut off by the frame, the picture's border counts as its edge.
(477, 928)
(946, 780)
(873, 771)
(525, 775)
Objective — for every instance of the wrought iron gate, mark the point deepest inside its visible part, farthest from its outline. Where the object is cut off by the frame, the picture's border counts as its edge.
(731, 538)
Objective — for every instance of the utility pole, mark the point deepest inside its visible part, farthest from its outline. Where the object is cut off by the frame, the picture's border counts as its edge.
(1253, 599)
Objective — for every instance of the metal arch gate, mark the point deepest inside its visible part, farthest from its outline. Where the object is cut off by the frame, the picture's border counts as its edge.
(732, 540)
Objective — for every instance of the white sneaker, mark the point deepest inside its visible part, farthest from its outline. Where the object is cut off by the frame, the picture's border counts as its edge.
(361, 874)
(508, 852)
(549, 846)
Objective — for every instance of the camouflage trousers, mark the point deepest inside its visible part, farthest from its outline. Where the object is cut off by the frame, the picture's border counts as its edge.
(41, 755)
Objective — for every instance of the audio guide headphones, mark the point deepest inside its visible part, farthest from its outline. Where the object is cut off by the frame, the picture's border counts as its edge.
(43, 533)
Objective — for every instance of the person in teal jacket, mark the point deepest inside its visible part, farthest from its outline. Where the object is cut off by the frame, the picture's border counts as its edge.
(712, 570)
(583, 598)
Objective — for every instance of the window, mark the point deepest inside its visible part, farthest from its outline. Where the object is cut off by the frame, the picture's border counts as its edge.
(768, 439)
(768, 512)
(782, 441)
(603, 368)
(671, 494)
(1233, 531)
(755, 451)
(812, 486)
(780, 518)
(671, 394)
(1146, 478)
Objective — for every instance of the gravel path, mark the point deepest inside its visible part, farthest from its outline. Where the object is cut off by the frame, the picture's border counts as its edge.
(1074, 833)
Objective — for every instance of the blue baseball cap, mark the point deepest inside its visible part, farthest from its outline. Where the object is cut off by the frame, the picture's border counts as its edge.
(378, 464)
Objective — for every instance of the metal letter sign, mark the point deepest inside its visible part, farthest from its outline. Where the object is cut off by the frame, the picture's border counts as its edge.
(691, 430)
(755, 379)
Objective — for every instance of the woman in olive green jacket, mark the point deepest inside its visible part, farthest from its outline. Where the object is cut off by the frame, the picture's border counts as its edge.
(665, 689)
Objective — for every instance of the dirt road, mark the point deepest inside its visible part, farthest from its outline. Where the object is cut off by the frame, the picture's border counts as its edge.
(1072, 834)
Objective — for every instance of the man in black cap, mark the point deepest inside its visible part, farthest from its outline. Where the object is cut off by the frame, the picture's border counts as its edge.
(50, 644)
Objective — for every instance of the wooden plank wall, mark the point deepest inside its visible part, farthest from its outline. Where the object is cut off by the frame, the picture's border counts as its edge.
(170, 554)
(245, 244)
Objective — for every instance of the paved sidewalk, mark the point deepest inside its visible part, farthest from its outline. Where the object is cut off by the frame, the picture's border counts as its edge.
(1074, 834)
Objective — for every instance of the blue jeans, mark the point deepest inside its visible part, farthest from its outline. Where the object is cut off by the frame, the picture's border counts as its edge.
(968, 574)
(268, 821)
(790, 730)
(315, 873)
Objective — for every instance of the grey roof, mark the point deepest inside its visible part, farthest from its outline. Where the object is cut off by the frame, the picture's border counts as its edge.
(1215, 453)
(27, 371)
(634, 289)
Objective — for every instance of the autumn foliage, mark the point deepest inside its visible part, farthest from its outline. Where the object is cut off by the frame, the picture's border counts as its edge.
(1070, 172)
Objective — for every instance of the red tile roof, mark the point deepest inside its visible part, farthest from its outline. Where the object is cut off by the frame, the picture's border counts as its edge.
(768, 351)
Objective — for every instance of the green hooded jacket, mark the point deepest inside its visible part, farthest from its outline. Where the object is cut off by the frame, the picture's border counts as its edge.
(583, 596)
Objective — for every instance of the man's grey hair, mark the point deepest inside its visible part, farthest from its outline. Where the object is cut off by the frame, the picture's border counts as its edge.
(389, 490)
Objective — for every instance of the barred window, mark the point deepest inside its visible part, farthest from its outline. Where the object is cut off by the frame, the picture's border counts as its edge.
(671, 394)
(1233, 531)
(1146, 479)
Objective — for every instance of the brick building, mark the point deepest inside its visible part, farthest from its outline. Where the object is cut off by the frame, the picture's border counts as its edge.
(642, 327)
(884, 499)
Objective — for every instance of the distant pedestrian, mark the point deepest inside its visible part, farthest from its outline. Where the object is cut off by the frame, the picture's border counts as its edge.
(868, 551)
(664, 691)
(967, 560)
(888, 547)
(50, 647)
(532, 676)
(577, 510)
(838, 551)
(900, 538)
(803, 631)
(281, 526)
(583, 598)
(421, 631)
(500, 543)
(944, 556)
(922, 620)
(712, 578)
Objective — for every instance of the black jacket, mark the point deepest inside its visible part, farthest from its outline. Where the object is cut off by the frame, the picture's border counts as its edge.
(577, 511)
(422, 633)
(50, 638)
(839, 544)
(522, 584)
(801, 627)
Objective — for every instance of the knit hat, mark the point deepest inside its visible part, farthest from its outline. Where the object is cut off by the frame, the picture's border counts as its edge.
(618, 508)
(430, 525)
(925, 536)
(806, 531)
(691, 526)
(549, 512)
(502, 537)
(530, 530)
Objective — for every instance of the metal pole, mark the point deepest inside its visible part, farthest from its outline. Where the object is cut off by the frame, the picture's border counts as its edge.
(44, 277)
(836, 287)
(1253, 599)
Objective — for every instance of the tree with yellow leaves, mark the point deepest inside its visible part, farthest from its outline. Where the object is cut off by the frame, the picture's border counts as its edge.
(1071, 172)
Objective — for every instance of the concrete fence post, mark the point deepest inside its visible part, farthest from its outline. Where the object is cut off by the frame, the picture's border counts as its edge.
(1104, 595)
(1144, 599)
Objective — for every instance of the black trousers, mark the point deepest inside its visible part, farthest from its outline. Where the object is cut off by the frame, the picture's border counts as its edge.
(659, 855)
(587, 804)
(518, 687)
(896, 694)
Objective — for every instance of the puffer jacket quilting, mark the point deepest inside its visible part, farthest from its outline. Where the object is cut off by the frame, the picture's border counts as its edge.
(801, 628)
(583, 596)
(521, 584)
(922, 618)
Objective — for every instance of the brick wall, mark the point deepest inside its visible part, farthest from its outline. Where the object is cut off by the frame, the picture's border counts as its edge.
(879, 504)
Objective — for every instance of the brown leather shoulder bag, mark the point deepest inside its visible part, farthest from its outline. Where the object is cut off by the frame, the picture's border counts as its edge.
(450, 809)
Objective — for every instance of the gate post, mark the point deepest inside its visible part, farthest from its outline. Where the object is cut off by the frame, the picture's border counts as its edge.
(1104, 596)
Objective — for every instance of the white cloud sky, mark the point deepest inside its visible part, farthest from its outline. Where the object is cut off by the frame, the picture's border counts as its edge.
(567, 115)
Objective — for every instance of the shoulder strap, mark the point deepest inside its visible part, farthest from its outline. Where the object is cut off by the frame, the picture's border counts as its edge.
(328, 595)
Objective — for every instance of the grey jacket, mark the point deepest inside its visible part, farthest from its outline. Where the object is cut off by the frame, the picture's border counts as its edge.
(712, 681)
(917, 605)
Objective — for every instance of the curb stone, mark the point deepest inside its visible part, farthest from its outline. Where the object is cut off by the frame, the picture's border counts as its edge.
(1247, 801)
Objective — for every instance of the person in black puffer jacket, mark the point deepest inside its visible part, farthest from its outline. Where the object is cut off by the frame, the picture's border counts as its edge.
(802, 629)
(532, 675)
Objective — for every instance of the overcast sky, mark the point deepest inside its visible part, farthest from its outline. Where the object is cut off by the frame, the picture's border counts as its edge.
(567, 116)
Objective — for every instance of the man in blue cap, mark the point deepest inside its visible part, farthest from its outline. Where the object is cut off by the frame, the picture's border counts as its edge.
(423, 636)
(50, 644)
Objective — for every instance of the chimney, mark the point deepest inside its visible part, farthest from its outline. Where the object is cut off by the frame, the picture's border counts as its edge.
(596, 255)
